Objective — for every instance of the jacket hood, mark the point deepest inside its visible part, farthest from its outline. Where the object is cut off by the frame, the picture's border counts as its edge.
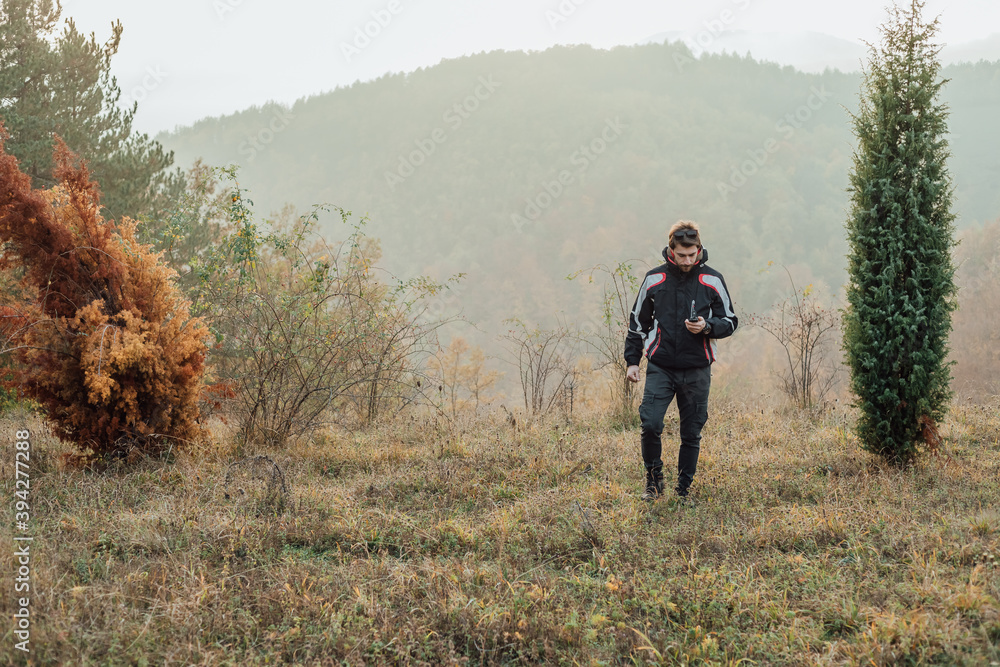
(667, 255)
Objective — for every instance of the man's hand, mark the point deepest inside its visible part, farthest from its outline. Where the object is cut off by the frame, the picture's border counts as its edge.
(695, 327)
(632, 373)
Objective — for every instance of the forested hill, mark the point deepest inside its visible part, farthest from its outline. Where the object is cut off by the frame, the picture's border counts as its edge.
(519, 168)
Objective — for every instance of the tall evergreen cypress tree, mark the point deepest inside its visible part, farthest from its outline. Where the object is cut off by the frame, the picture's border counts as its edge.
(901, 291)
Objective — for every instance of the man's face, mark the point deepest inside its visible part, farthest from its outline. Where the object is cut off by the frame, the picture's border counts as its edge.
(686, 256)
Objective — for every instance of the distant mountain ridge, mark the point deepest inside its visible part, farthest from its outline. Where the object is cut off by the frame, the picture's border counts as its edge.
(813, 51)
(519, 169)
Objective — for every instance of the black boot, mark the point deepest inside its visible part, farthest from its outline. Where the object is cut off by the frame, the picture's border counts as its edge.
(654, 482)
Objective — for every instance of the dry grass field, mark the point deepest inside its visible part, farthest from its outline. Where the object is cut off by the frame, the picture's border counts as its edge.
(424, 543)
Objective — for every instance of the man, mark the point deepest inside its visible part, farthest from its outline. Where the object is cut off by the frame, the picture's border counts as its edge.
(682, 308)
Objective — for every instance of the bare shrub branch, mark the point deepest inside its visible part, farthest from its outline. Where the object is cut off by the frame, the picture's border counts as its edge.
(544, 359)
(803, 328)
(605, 335)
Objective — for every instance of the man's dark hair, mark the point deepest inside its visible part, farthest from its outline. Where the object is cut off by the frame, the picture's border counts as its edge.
(685, 233)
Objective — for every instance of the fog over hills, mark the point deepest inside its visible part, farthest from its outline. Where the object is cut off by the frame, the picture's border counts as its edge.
(518, 169)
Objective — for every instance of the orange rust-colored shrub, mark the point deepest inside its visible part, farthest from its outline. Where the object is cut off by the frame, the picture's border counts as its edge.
(12, 324)
(111, 351)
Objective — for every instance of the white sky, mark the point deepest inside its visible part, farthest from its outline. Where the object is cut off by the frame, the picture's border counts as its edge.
(188, 59)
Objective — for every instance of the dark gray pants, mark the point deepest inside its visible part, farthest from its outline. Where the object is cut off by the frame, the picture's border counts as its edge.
(691, 386)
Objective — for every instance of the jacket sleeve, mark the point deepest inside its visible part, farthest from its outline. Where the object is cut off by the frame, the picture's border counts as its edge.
(640, 321)
(723, 318)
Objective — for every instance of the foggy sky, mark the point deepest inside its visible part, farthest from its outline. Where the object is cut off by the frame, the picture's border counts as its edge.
(190, 59)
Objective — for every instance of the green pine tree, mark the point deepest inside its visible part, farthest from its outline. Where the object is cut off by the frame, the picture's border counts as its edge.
(900, 229)
(54, 82)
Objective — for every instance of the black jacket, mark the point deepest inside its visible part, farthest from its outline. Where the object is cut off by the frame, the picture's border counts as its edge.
(656, 325)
